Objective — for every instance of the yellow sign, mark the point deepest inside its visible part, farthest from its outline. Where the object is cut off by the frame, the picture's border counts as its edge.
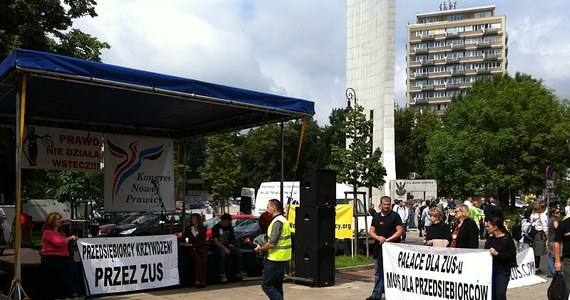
(343, 221)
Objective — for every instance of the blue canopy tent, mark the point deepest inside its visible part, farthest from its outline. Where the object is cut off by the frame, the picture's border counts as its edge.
(45, 89)
(78, 94)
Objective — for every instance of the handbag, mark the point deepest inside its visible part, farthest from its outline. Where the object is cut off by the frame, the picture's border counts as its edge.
(557, 289)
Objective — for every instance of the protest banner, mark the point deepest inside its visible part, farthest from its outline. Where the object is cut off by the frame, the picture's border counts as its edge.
(126, 264)
(524, 273)
(420, 272)
(61, 149)
(139, 174)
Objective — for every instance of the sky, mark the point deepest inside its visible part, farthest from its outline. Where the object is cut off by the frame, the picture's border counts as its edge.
(297, 48)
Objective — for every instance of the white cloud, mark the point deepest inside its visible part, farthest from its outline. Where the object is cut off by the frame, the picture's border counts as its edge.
(297, 48)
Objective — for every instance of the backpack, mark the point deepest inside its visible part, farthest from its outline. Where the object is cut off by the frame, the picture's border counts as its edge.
(516, 231)
(557, 290)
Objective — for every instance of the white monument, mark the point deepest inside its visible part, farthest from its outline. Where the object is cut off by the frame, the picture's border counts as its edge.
(370, 55)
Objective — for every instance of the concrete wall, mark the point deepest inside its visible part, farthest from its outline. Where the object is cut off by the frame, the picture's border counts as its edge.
(370, 68)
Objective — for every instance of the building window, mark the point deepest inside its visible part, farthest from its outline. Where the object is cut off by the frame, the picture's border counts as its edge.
(455, 17)
(480, 15)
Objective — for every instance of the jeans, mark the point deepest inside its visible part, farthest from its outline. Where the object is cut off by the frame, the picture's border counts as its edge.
(221, 255)
(378, 277)
(500, 282)
(272, 279)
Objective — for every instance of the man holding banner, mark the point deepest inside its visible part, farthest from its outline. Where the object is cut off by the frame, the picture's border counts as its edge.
(386, 227)
(562, 251)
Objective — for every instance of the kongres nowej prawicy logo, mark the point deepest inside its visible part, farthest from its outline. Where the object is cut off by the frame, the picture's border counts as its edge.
(131, 161)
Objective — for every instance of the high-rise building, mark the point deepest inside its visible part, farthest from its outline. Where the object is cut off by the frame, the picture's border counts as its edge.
(448, 50)
(370, 57)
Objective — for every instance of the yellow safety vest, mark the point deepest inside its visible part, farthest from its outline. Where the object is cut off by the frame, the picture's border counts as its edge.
(281, 251)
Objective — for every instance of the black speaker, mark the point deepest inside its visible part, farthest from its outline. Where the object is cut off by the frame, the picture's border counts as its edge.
(315, 226)
(245, 205)
(316, 264)
(318, 188)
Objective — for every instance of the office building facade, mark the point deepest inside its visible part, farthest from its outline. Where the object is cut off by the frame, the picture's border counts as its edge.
(449, 50)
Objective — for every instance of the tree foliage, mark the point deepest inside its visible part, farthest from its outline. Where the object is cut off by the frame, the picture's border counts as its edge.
(357, 164)
(222, 167)
(45, 25)
(412, 131)
(499, 137)
(261, 151)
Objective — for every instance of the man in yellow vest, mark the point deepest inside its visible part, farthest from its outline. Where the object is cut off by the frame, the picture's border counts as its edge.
(279, 248)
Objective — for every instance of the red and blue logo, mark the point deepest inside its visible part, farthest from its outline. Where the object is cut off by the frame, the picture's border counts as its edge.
(132, 160)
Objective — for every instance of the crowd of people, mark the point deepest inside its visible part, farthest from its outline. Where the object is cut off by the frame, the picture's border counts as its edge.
(462, 226)
(449, 225)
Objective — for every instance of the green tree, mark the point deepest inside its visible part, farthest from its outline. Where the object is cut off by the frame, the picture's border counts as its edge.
(403, 124)
(43, 25)
(222, 167)
(412, 131)
(356, 164)
(499, 138)
(73, 186)
(261, 152)
(46, 25)
(333, 134)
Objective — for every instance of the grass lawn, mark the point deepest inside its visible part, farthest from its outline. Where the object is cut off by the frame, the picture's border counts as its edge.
(342, 261)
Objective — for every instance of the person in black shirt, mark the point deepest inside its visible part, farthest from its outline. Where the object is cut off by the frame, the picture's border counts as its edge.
(502, 247)
(438, 234)
(562, 237)
(224, 244)
(465, 233)
(386, 227)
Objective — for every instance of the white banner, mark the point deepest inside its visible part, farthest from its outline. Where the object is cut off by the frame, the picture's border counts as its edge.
(61, 149)
(126, 264)
(523, 273)
(420, 272)
(139, 173)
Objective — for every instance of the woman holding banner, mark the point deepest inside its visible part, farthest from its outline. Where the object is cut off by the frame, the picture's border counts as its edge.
(56, 257)
(465, 233)
(502, 248)
(438, 234)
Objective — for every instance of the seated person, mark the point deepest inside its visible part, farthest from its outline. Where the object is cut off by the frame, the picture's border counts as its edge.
(194, 240)
(224, 244)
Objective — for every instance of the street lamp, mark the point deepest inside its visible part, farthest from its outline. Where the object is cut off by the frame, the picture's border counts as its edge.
(350, 95)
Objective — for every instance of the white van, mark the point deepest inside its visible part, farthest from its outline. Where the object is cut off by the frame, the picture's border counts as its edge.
(272, 190)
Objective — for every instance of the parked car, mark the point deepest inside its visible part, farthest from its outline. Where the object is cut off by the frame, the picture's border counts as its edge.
(126, 218)
(197, 204)
(151, 224)
(236, 220)
(245, 232)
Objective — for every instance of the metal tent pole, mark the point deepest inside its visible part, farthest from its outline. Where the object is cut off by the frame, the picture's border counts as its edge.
(16, 289)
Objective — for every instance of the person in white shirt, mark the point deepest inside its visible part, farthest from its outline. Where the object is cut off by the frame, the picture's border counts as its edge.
(567, 209)
(539, 221)
(403, 211)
